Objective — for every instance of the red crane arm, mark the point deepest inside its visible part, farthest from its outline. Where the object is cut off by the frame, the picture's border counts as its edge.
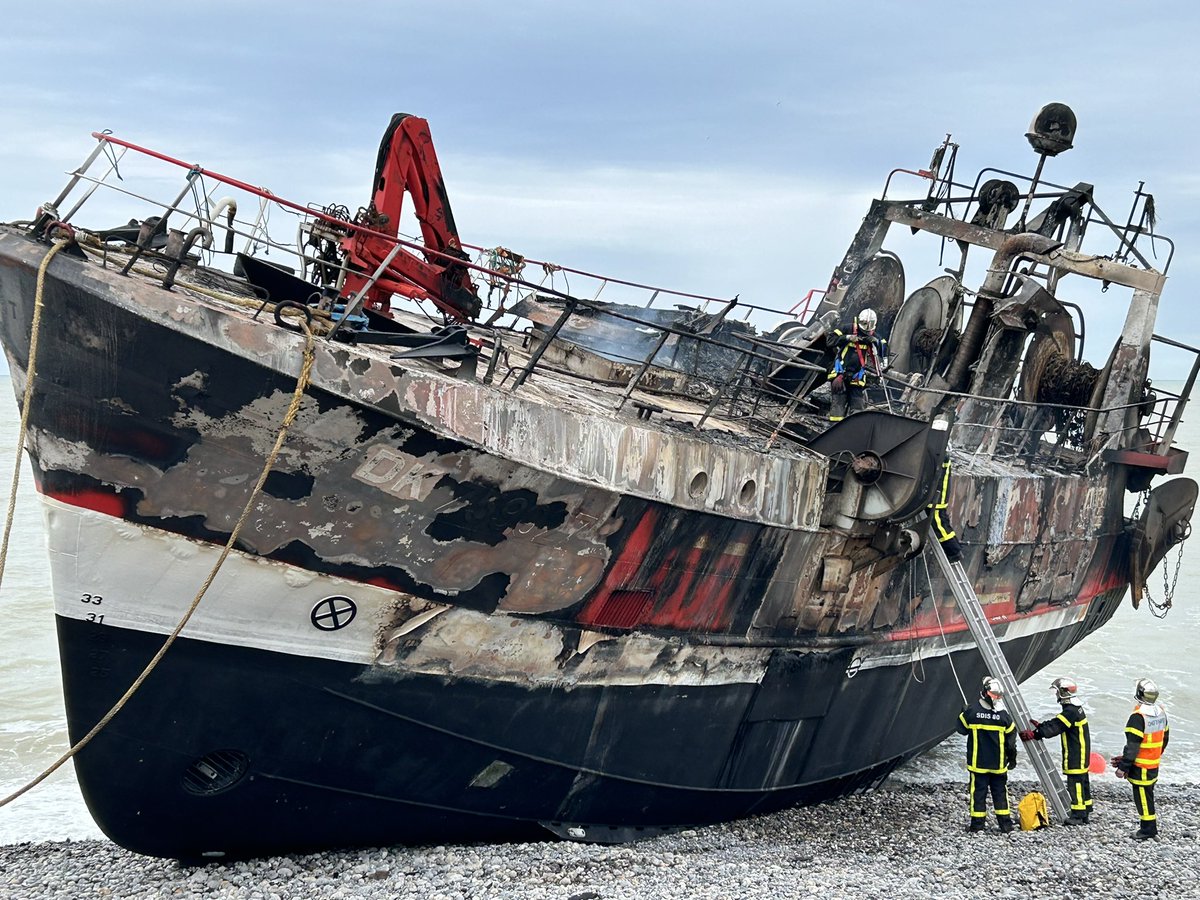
(408, 164)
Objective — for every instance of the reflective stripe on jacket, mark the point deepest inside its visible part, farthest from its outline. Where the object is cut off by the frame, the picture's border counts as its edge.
(940, 504)
(857, 356)
(991, 739)
(1146, 735)
(1072, 724)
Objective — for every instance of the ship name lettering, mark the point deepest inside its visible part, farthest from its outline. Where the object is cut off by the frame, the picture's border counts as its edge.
(402, 477)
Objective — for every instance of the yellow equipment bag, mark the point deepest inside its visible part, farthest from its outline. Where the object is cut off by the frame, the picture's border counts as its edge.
(1032, 811)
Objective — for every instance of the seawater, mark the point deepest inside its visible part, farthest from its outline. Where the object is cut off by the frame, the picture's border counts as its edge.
(33, 731)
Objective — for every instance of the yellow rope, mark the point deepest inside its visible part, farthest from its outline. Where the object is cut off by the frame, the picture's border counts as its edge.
(288, 419)
(30, 370)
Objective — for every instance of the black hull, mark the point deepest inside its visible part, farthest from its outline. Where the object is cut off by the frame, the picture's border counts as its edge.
(425, 760)
(493, 601)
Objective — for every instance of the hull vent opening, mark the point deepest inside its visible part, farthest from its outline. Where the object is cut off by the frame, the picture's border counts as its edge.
(215, 772)
(620, 609)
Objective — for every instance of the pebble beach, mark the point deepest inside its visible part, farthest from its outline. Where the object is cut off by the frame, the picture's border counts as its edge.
(901, 841)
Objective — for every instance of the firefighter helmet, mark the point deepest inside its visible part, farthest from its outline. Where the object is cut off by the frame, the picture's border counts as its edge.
(1145, 691)
(992, 692)
(867, 320)
(1064, 689)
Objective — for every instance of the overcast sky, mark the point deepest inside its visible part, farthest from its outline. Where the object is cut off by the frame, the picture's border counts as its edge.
(721, 149)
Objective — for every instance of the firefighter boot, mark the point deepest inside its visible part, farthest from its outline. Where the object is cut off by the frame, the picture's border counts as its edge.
(1005, 823)
(977, 825)
(837, 399)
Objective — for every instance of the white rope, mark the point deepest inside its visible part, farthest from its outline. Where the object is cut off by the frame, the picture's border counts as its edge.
(941, 628)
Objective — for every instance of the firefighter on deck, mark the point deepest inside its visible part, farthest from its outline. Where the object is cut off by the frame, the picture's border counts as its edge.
(939, 515)
(1146, 737)
(1072, 724)
(857, 356)
(991, 752)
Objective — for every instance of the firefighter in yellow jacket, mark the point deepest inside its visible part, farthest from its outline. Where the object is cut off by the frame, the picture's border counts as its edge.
(1072, 724)
(991, 752)
(1146, 736)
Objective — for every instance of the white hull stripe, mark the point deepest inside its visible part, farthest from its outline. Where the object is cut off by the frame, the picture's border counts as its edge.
(916, 650)
(112, 572)
(106, 570)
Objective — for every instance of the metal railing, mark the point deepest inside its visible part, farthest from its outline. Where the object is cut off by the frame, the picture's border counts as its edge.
(771, 383)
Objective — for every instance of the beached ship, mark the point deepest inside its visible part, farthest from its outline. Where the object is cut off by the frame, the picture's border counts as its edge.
(515, 562)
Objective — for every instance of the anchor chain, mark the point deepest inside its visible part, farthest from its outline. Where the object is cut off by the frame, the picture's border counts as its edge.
(1137, 507)
(1159, 609)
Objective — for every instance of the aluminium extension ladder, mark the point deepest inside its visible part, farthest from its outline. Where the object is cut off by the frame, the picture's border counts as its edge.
(989, 647)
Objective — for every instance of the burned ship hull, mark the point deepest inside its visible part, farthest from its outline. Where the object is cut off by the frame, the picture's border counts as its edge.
(466, 608)
(431, 759)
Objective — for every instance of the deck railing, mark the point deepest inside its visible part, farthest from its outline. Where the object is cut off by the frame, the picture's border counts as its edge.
(767, 376)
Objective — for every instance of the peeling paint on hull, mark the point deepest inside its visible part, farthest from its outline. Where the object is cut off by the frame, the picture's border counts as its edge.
(552, 622)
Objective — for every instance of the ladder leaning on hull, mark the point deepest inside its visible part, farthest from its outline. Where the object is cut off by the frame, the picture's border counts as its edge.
(989, 647)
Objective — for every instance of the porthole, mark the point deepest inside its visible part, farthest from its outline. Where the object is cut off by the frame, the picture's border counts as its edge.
(746, 494)
(699, 485)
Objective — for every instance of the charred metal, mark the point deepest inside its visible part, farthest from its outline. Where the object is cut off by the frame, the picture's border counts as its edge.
(546, 561)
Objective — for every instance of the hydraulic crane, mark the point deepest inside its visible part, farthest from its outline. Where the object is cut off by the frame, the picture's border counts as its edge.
(408, 164)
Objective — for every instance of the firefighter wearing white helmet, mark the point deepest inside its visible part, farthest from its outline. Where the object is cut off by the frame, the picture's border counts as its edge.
(991, 752)
(1146, 737)
(857, 356)
(1072, 724)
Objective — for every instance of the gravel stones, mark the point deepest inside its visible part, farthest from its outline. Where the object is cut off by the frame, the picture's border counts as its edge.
(903, 841)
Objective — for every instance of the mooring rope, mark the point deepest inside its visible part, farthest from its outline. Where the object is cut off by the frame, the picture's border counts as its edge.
(30, 369)
(297, 397)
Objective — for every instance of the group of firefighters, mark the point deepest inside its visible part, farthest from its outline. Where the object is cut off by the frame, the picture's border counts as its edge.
(859, 354)
(992, 752)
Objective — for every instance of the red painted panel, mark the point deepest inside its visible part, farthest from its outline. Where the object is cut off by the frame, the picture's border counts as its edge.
(622, 609)
(703, 599)
(108, 502)
(621, 572)
(673, 575)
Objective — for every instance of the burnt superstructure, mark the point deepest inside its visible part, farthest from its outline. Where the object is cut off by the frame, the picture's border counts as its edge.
(528, 562)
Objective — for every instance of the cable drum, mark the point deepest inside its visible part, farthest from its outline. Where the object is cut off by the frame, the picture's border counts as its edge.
(1050, 374)
(879, 285)
(926, 342)
(1049, 368)
(1067, 382)
(916, 338)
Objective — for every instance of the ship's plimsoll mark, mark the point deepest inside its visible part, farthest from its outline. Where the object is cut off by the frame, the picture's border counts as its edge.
(333, 613)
